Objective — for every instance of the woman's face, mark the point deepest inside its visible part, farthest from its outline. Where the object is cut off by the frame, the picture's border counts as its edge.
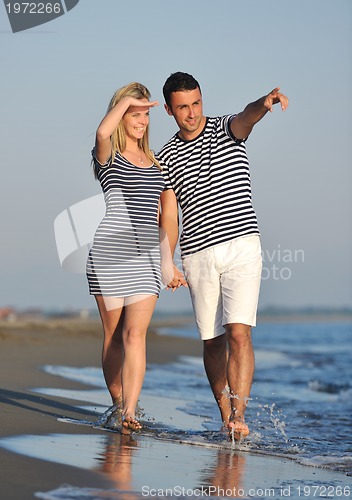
(136, 120)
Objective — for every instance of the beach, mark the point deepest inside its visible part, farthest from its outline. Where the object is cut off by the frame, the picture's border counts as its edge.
(44, 455)
(25, 347)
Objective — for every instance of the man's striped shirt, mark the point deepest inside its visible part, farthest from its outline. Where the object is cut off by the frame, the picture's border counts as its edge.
(211, 180)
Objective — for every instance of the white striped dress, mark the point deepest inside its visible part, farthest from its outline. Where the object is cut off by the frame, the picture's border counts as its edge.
(210, 177)
(124, 259)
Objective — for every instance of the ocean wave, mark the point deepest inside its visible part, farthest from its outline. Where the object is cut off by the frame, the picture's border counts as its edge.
(67, 492)
(329, 387)
(336, 463)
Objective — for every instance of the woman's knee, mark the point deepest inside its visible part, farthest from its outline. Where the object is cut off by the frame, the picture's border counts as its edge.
(113, 338)
(133, 336)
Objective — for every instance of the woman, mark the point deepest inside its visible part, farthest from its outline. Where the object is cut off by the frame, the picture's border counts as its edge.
(123, 267)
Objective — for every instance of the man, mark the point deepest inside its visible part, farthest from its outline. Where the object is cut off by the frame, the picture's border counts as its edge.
(206, 171)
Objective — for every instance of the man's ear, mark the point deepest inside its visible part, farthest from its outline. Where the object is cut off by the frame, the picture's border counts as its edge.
(168, 110)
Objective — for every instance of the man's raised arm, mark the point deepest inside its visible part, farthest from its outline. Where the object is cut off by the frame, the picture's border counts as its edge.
(243, 123)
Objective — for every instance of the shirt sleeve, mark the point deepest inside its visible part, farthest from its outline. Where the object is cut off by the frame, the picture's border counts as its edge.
(226, 126)
(165, 172)
(97, 164)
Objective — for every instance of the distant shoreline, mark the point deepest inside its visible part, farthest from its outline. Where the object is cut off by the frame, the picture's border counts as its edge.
(300, 317)
(92, 324)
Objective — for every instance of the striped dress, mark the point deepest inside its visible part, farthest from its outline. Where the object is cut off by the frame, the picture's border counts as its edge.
(211, 180)
(124, 259)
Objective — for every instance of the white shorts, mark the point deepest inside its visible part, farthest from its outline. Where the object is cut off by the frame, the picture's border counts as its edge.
(224, 283)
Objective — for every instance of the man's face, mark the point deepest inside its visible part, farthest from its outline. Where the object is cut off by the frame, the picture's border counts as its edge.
(186, 107)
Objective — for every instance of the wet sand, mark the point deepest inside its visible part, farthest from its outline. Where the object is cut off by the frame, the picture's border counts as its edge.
(140, 464)
(25, 347)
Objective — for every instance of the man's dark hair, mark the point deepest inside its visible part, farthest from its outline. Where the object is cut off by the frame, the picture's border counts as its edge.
(177, 82)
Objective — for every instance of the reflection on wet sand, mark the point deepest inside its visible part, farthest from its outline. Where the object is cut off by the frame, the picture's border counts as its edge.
(222, 477)
(225, 479)
(116, 462)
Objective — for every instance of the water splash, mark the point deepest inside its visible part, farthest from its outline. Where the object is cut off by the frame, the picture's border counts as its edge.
(112, 417)
(227, 392)
(275, 417)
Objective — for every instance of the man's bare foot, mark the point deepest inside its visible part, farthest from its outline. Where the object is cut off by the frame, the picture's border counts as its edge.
(237, 428)
(130, 424)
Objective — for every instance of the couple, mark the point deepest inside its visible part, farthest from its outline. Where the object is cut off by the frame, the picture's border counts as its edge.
(204, 169)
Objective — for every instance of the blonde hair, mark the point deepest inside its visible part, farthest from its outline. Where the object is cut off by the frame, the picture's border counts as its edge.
(118, 137)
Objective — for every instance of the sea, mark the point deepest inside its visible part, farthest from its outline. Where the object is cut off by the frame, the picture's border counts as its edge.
(301, 400)
(300, 407)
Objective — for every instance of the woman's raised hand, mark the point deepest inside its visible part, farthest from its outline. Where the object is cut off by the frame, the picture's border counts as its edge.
(132, 101)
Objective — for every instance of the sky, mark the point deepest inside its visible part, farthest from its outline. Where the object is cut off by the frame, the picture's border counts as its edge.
(56, 82)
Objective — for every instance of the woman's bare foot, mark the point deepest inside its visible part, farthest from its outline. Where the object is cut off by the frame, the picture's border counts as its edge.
(118, 402)
(130, 424)
(112, 418)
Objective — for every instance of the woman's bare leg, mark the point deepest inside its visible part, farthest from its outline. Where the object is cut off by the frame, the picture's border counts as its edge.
(138, 313)
(113, 350)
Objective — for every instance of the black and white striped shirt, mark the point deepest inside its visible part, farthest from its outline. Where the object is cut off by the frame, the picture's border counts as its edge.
(124, 259)
(211, 180)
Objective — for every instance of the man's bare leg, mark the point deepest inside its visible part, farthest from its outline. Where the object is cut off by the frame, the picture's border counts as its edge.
(215, 364)
(240, 371)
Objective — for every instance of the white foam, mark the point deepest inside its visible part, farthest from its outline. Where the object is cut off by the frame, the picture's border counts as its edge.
(86, 375)
(160, 395)
(73, 492)
(327, 461)
(69, 449)
(266, 359)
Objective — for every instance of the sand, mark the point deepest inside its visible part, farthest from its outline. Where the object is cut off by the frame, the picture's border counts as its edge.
(140, 464)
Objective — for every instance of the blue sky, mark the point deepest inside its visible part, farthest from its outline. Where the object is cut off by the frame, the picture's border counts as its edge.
(57, 80)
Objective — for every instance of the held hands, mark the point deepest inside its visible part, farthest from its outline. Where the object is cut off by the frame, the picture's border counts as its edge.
(275, 97)
(177, 280)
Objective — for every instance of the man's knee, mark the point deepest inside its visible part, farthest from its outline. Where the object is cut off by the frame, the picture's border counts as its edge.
(214, 344)
(238, 334)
